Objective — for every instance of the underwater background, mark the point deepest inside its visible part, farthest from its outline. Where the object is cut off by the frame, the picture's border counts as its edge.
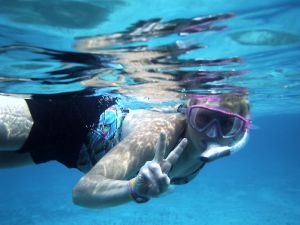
(203, 47)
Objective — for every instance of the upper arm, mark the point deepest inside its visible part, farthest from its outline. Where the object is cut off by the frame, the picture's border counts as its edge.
(125, 159)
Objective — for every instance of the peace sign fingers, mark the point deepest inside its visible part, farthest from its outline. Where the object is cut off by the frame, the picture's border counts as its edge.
(174, 155)
(152, 179)
(160, 148)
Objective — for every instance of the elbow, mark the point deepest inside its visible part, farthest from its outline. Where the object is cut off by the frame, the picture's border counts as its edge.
(95, 195)
(78, 194)
(82, 197)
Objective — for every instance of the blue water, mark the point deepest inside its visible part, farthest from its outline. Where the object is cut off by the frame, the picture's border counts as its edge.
(261, 43)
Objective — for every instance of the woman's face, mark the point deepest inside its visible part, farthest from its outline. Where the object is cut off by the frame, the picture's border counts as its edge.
(197, 141)
(209, 127)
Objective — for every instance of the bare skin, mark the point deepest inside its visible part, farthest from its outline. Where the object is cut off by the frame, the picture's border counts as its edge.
(15, 125)
(149, 148)
(106, 184)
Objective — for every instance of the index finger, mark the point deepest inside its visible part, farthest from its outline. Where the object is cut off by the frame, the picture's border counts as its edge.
(160, 148)
(175, 154)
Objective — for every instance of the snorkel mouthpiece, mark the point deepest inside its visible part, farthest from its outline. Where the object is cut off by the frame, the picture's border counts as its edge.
(215, 151)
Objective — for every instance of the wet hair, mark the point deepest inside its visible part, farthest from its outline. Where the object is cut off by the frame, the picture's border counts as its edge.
(236, 103)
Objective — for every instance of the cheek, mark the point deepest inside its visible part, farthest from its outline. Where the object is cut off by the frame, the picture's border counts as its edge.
(232, 141)
(195, 139)
(199, 141)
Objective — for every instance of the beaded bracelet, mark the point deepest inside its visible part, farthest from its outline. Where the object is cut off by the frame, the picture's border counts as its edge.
(137, 198)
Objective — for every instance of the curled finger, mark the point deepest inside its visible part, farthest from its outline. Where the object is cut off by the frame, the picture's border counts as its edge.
(149, 183)
(161, 179)
(163, 183)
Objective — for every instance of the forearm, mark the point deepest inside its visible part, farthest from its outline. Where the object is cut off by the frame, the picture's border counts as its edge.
(106, 184)
(94, 192)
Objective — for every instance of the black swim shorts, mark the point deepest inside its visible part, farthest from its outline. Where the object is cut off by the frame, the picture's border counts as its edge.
(61, 124)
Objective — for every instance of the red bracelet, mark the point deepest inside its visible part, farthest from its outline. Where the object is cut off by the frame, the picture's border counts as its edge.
(137, 198)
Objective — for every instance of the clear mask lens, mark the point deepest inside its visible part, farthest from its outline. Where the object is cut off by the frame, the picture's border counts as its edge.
(203, 119)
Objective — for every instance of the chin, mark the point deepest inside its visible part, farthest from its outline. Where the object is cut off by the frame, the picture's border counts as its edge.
(201, 146)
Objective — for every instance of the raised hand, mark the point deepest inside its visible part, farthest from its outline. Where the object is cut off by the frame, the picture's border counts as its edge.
(153, 180)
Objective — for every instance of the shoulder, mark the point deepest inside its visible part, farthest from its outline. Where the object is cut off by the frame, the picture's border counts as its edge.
(147, 120)
(143, 115)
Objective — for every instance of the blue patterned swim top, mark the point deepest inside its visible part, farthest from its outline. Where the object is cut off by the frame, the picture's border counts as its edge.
(102, 138)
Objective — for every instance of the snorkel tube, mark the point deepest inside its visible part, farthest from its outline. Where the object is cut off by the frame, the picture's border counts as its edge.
(215, 151)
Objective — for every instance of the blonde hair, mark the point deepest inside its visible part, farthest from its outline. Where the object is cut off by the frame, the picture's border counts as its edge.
(236, 103)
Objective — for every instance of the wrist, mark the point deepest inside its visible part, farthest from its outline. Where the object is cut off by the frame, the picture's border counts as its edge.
(133, 195)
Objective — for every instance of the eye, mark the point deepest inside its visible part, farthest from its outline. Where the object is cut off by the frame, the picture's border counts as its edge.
(202, 119)
(226, 124)
(233, 126)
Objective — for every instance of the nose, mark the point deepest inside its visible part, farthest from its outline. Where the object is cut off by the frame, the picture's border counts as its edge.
(212, 131)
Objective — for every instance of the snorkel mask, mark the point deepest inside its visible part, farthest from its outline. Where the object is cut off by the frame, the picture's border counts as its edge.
(214, 125)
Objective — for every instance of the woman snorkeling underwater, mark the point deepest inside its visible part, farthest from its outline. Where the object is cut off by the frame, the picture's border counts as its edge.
(127, 155)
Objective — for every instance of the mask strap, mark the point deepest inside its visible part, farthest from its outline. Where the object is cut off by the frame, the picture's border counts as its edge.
(182, 108)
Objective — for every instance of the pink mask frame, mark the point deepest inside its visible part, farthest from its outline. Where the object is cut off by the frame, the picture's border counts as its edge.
(245, 123)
